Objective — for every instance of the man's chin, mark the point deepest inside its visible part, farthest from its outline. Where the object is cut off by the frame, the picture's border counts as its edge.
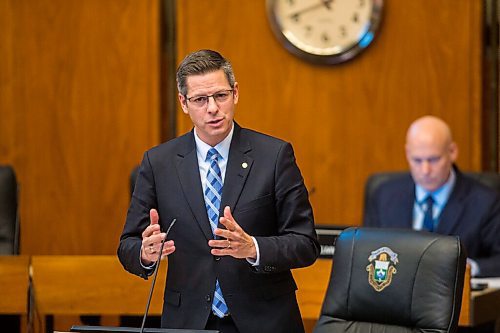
(220, 132)
(429, 187)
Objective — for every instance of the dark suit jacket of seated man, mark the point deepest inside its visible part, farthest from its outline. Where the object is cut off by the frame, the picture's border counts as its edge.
(472, 210)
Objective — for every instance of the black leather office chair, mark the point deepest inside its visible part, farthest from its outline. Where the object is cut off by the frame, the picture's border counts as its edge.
(9, 221)
(392, 281)
(9, 231)
(491, 179)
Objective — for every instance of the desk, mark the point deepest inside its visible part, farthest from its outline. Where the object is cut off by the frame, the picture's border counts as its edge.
(66, 285)
(484, 307)
(69, 285)
(312, 282)
(14, 281)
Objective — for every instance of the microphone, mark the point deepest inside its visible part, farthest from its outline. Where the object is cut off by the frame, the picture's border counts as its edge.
(155, 275)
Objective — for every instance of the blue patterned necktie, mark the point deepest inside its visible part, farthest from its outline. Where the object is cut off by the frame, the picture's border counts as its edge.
(213, 193)
(428, 217)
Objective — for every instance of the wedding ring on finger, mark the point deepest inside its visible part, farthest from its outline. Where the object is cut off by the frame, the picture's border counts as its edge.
(151, 250)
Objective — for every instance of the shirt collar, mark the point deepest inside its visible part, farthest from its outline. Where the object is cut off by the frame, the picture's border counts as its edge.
(222, 147)
(440, 195)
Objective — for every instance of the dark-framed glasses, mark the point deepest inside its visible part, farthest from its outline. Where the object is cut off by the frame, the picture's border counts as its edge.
(219, 98)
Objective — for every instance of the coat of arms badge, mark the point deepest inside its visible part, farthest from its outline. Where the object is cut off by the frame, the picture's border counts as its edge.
(381, 267)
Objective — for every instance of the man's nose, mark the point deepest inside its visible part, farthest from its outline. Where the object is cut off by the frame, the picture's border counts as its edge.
(426, 167)
(212, 105)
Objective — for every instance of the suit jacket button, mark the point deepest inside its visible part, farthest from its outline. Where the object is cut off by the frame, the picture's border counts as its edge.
(217, 258)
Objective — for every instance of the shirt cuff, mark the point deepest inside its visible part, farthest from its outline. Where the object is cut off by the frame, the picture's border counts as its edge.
(255, 262)
(150, 268)
(474, 267)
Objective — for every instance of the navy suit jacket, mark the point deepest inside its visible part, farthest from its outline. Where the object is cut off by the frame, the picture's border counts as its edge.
(268, 199)
(472, 212)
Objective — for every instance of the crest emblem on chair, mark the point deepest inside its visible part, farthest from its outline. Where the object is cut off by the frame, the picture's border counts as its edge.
(381, 267)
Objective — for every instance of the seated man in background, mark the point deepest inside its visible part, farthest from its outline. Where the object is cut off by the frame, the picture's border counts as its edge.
(437, 197)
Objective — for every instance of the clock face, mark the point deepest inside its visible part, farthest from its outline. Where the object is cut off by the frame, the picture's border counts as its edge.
(325, 31)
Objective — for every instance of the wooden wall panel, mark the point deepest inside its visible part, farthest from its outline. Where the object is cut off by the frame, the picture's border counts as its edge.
(79, 103)
(348, 121)
(6, 82)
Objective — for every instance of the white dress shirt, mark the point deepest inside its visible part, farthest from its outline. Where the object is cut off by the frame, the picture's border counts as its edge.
(222, 147)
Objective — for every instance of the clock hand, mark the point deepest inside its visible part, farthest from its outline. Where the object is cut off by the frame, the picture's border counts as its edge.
(326, 3)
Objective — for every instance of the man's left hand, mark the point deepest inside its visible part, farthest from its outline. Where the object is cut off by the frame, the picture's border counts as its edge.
(236, 242)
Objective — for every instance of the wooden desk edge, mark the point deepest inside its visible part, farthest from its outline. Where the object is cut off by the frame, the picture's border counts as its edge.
(312, 282)
(14, 284)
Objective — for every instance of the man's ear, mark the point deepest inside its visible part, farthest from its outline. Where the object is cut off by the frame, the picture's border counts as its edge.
(407, 153)
(236, 93)
(183, 101)
(453, 151)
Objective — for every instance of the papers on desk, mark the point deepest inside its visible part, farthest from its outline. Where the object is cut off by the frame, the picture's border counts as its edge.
(492, 282)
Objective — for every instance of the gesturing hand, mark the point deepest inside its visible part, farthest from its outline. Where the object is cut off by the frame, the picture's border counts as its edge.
(236, 243)
(151, 240)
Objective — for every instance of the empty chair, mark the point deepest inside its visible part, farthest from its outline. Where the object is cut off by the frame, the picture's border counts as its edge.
(393, 280)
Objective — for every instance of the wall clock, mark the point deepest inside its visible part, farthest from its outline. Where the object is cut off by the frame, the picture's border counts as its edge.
(325, 31)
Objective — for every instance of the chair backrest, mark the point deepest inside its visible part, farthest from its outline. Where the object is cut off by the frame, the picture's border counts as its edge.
(9, 222)
(375, 180)
(490, 179)
(393, 280)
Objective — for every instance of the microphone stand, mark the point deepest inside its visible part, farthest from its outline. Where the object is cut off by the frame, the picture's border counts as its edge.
(155, 275)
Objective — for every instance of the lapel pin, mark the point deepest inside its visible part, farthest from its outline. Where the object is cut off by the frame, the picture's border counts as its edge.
(244, 165)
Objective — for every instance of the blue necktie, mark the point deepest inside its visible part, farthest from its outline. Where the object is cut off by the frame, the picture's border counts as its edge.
(213, 193)
(428, 218)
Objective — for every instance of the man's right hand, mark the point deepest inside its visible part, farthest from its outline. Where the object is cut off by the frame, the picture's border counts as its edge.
(151, 241)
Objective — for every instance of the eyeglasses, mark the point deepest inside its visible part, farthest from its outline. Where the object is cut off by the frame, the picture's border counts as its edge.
(219, 98)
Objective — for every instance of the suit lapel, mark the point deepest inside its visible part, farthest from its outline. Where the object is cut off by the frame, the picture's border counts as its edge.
(452, 211)
(237, 170)
(188, 171)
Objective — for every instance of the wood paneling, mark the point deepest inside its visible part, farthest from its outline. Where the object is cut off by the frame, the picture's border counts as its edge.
(79, 104)
(348, 121)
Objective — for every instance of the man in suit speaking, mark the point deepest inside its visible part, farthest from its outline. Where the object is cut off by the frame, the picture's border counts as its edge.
(243, 217)
(436, 196)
